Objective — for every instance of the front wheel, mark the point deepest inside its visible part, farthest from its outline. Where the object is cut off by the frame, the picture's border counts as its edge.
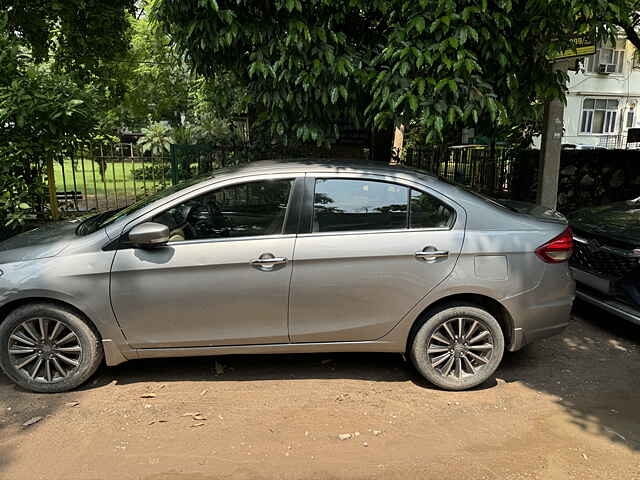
(458, 347)
(47, 348)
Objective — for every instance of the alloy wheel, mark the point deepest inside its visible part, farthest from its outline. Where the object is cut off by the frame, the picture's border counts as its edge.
(460, 347)
(44, 350)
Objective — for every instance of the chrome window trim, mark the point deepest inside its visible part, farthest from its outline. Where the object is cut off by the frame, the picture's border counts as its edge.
(374, 232)
(232, 239)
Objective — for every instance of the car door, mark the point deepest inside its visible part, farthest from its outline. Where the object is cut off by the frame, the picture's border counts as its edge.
(374, 247)
(222, 279)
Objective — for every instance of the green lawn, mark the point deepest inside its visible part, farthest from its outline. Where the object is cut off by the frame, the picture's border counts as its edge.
(117, 188)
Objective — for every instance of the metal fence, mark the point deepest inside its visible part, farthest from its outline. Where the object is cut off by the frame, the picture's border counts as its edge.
(104, 176)
(475, 166)
(98, 177)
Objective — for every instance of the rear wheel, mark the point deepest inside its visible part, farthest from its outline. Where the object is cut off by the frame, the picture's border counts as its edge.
(458, 347)
(47, 348)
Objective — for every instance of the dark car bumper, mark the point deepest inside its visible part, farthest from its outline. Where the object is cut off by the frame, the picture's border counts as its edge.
(591, 289)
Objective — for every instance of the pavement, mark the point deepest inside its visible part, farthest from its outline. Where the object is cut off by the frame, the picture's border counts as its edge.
(563, 408)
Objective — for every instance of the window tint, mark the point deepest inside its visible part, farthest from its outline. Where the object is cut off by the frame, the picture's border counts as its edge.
(243, 210)
(429, 212)
(346, 205)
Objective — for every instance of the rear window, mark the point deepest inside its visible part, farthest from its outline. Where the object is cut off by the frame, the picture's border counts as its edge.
(357, 205)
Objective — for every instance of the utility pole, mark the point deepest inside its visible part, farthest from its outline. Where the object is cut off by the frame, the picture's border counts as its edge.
(551, 148)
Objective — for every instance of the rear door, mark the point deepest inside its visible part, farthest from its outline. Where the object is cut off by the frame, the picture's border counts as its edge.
(370, 248)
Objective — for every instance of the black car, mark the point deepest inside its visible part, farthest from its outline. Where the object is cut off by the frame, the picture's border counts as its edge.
(606, 259)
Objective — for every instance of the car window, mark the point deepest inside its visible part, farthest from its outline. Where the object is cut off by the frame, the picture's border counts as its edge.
(429, 212)
(346, 205)
(242, 210)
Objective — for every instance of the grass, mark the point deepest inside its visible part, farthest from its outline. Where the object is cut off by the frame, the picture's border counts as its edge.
(117, 188)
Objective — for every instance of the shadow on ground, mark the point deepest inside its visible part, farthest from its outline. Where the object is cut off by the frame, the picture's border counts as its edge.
(593, 370)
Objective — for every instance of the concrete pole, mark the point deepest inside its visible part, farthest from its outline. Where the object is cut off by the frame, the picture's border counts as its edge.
(550, 149)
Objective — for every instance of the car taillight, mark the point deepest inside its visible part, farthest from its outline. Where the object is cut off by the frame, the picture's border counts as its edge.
(558, 249)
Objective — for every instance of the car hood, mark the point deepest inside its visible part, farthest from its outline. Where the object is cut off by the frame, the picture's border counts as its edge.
(619, 221)
(46, 241)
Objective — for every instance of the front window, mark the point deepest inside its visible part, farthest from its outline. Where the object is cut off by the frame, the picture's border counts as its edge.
(599, 115)
(243, 210)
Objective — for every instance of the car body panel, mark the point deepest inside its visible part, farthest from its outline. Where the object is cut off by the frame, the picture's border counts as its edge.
(43, 242)
(202, 293)
(619, 221)
(535, 295)
(372, 279)
(606, 264)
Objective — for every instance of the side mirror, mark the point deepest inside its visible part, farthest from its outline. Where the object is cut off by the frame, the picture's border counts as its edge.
(149, 234)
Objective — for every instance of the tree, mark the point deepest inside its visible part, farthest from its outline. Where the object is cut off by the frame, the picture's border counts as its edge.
(42, 112)
(156, 139)
(55, 90)
(312, 65)
(83, 37)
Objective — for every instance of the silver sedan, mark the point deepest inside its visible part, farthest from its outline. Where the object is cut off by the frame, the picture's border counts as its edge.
(287, 257)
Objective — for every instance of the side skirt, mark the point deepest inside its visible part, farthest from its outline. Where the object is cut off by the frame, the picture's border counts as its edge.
(329, 347)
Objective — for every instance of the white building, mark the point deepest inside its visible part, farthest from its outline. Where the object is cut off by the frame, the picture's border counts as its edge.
(603, 98)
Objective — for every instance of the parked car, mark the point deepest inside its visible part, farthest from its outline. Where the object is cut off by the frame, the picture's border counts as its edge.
(286, 257)
(606, 262)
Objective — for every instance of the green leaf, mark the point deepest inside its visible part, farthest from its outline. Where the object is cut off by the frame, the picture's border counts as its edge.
(418, 23)
(413, 102)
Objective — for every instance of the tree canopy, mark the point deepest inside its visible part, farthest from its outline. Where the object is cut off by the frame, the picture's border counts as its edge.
(313, 64)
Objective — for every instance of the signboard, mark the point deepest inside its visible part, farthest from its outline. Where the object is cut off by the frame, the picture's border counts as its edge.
(581, 47)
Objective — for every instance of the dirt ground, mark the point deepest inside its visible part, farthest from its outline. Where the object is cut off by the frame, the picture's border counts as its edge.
(567, 407)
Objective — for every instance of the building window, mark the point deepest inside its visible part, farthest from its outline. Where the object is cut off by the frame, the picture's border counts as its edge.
(606, 60)
(599, 115)
(631, 116)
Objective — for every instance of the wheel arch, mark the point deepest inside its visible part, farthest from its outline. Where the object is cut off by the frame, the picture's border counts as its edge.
(493, 306)
(10, 306)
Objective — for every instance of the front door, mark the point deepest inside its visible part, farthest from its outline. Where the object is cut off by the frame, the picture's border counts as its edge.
(376, 248)
(223, 278)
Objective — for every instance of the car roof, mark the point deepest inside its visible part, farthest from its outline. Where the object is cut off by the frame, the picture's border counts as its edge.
(316, 164)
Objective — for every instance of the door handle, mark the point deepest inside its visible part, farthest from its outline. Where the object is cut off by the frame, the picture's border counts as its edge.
(431, 255)
(267, 262)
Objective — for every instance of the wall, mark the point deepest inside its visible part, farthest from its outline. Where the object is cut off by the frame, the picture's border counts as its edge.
(587, 177)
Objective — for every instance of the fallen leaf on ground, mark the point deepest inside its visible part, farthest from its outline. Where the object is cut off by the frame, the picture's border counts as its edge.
(199, 417)
(203, 393)
(31, 421)
(344, 436)
(72, 404)
(191, 414)
(197, 425)
(157, 421)
(148, 395)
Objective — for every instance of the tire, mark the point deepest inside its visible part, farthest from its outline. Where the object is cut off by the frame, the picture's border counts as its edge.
(70, 346)
(455, 365)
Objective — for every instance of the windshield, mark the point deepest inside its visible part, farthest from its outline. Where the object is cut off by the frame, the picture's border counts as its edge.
(96, 222)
